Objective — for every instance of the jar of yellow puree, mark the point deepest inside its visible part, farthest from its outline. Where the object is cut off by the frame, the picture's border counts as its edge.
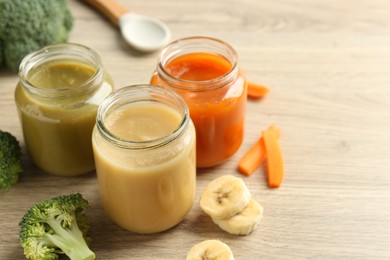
(144, 147)
(59, 90)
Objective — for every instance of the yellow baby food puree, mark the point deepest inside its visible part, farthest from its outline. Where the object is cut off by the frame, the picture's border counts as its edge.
(146, 190)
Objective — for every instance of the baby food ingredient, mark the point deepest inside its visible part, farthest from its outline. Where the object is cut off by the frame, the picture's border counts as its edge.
(210, 249)
(56, 226)
(26, 26)
(224, 197)
(231, 192)
(275, 166)
(244, 222)
(256, 155)
(10, 164)
(256, 91)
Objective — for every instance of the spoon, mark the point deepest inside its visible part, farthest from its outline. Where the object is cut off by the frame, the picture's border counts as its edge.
(143, 33)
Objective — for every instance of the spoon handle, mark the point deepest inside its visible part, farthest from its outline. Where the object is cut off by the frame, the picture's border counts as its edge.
(109, 8)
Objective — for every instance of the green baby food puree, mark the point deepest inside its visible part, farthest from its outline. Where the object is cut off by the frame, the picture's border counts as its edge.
(57, 105)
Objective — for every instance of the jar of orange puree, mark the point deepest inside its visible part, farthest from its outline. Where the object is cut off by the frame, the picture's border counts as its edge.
(205, 72)
(60, 88)
(144, 147)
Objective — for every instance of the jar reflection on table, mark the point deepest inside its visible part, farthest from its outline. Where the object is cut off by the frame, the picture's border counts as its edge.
(144, 147)
(59, 90)
(205, 72)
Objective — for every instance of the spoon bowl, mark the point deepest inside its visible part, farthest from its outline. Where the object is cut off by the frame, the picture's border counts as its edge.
(143, 33)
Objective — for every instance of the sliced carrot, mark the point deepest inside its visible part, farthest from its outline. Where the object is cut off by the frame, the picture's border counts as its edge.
(275, 164)
(255, 156)
(256, 91)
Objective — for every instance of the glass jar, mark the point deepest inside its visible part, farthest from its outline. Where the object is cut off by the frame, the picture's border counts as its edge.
(144, 147)
(59, 90)
(205, 72)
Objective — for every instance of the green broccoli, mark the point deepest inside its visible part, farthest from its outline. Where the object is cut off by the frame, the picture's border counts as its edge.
(10, 163)
(26, 26)
(56, 226)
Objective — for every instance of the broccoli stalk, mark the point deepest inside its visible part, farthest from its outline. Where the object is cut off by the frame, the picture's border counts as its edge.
(56, 226)
(10, 164)
(71, 241)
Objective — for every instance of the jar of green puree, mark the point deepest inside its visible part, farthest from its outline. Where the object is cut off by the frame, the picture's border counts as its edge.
(59, 90)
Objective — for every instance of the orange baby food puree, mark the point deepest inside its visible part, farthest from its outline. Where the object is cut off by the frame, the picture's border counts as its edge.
(216, 109)
(198, 66)
(145, 190)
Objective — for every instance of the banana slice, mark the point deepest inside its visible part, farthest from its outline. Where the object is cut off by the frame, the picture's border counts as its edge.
(210, 249)
(244, 222)
(225, 197)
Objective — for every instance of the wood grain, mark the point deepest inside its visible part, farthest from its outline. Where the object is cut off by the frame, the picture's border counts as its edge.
(327, 63)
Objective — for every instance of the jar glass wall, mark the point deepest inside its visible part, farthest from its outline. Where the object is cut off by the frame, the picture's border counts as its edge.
(205, 72)
(59, 90)
(144, 147)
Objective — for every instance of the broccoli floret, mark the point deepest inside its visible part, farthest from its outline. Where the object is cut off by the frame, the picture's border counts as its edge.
(10, 163)
(56, 226)
(26, 26)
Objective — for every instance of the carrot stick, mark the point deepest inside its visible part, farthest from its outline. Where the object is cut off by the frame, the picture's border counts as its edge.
(256, 91)
(274, 159)
(255, 156)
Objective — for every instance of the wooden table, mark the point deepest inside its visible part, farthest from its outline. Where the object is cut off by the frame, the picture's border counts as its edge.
(327, 63)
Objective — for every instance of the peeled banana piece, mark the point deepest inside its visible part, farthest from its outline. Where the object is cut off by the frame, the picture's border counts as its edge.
(228, 202)
(225, 197)
(244, 222)
(211, 250)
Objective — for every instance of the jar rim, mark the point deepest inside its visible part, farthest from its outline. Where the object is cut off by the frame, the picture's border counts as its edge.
(141, 93)
(38, 58)
(173, 50)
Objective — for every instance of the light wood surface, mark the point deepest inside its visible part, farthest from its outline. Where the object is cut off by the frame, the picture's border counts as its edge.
(327, 63)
